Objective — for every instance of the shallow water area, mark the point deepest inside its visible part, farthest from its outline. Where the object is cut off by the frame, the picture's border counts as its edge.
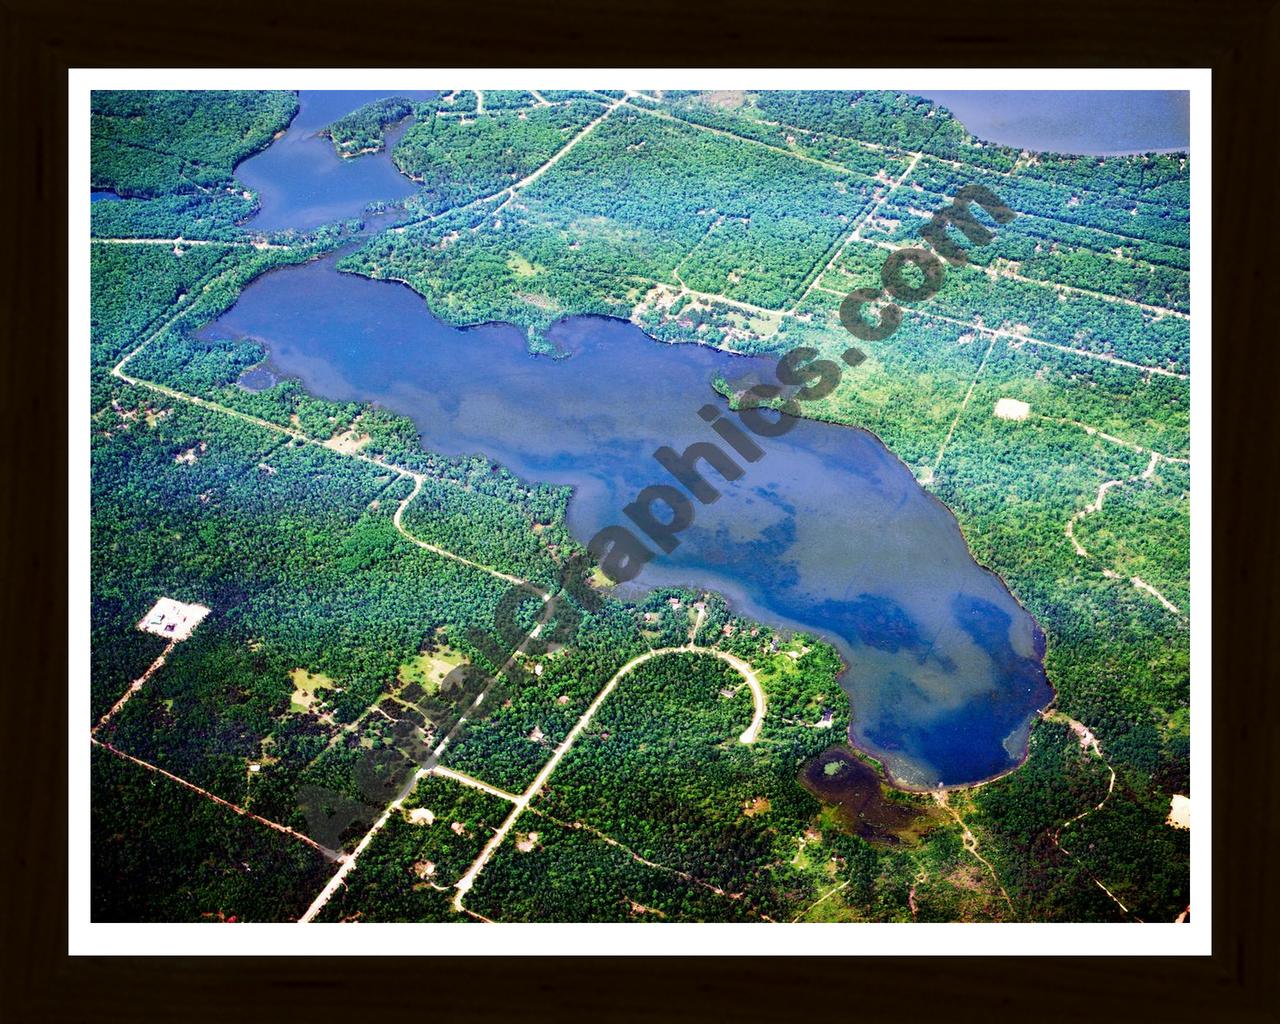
(257, 378)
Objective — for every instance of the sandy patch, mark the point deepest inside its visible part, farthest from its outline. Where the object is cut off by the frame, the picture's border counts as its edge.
(759, 805)
(172, 619)
(968, 877)
(541, 301)
(430, 668)
(728, 99)
(1179, 811)
(348, 442)
(1012, 409)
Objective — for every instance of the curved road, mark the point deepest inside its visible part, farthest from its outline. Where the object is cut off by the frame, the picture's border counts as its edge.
(749, 735)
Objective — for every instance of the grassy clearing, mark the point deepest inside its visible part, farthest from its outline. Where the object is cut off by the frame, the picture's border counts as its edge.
(429, 669)
(521, 267)
(305, 689)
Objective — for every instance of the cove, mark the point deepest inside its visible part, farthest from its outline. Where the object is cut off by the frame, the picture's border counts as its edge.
(302, 183)
(829, 533)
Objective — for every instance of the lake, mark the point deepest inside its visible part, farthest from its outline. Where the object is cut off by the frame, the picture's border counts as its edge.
(1084, 122)
(829, 533)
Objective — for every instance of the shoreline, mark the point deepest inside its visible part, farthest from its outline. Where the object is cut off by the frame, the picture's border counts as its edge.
(893, 780)
(1040, 638)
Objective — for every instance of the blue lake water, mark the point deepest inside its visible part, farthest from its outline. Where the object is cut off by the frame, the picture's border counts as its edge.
(301, 180)
(828, 533)
(1098, 123)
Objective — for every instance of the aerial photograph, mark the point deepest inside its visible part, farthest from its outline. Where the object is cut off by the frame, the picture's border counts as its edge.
(638, 506)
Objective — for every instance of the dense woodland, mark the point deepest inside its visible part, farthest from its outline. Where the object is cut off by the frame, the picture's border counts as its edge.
(338, 651)
(179, 150)
(160, 853)
(595, 235)
(364, 130)
(459, 159)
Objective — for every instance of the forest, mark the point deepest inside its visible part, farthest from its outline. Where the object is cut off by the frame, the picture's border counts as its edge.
(992, 300)
(458, 160)
(161, 853)
(364, 130)
(171, 156)
(682, 206)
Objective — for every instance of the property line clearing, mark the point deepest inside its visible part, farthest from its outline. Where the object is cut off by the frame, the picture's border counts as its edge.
(134, 687)
(243, 812)
(691, 879)
(933, 472)
(1089, 742)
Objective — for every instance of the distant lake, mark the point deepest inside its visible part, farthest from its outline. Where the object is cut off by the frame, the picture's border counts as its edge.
(1109, 123)
(829, 532)
(301, 180)
(104, 197)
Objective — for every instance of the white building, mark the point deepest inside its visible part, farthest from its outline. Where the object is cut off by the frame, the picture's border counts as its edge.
(172, 619)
